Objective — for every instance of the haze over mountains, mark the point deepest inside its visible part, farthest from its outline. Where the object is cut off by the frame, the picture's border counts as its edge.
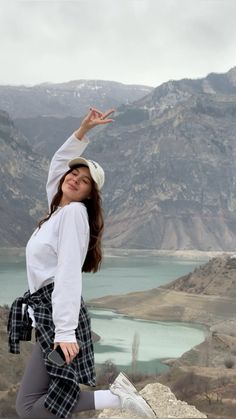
(169, 159)
(67, 99)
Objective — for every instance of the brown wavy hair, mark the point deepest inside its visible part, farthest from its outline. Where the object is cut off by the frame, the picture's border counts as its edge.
(96, 223)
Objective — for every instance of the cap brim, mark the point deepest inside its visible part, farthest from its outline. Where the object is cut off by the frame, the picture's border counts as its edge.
(77, 160)
(96, 171)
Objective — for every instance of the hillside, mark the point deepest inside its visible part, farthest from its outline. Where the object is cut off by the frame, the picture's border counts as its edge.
(217, 277)
(206, 296)
(170, 163)
(204, 376)
(176, 173)
(22, 190)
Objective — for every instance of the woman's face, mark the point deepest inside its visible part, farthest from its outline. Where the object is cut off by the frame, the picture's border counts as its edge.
(77, 186)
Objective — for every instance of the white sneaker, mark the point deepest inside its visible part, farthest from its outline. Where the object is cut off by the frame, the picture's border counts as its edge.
(130, 397)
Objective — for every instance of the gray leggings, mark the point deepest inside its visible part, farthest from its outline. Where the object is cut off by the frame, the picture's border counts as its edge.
(34, 385)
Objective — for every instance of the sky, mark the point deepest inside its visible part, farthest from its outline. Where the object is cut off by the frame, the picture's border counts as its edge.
(129, 41)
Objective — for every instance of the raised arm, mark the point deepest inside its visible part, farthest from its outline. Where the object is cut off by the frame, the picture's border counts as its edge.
(59, 164)
(73, 147)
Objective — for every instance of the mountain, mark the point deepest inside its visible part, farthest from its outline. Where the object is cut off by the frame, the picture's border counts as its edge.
(217, 277)
(72, 98)
(170, 163)
(174, 92)
(174, 187)
(22, 172)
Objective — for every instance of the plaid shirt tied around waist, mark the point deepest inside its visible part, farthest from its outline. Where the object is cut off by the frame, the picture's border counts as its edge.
(63, 391)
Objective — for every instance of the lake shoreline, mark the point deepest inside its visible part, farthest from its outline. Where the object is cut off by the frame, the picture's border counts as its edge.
(206, 328)
(167, 306)
(122, 252)
(186, 254)
(160, 304)
(202, 326)
(162, 360)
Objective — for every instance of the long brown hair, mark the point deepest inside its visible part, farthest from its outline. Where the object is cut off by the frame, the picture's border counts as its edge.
(96, 223)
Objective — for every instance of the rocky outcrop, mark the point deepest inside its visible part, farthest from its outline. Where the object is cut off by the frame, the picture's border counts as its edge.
(217, 277)
(162, 401)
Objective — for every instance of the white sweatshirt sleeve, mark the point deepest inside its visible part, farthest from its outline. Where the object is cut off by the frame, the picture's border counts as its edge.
(72, 248)
(71, 148)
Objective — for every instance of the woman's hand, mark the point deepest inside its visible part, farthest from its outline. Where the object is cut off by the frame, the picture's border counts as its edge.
(94, 118)
(70, 350)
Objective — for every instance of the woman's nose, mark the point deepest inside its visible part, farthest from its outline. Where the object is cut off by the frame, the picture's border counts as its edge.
(77, 180)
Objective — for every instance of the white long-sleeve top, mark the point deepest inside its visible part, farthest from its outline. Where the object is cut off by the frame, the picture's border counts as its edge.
(56, 252)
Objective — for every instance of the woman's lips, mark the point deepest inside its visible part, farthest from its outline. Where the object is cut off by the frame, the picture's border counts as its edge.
(72, 187)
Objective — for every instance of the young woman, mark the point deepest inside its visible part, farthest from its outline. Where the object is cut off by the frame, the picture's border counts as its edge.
(66, 243)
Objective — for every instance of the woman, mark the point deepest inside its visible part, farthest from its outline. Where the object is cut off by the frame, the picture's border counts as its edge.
(66, 242)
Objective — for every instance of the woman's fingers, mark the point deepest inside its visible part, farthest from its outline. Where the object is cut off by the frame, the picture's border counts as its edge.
(102, 115)
(96, 117)
(96, 110)
(70, 350)
(67, 354)
(76, 348)
(107, 113)
(96, 114)
(73, 351)
(105, 121)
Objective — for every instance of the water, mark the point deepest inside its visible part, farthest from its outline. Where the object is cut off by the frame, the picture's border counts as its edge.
(157, 340)
(120, 275)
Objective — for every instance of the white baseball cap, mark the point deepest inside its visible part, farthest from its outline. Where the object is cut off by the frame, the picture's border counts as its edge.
(96, 171)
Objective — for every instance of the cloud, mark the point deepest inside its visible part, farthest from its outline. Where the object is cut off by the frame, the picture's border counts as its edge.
(132, 41)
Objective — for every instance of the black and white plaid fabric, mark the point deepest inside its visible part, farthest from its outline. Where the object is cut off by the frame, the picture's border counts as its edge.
(63, 391)
(19, 323)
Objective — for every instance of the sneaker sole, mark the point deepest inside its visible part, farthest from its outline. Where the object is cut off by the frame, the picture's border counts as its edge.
(129, 383)
(133, 386)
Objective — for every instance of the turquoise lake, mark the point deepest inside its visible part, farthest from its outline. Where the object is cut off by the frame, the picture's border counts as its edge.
(120, 275)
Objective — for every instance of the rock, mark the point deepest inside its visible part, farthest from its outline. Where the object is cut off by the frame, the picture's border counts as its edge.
(216, 277)
(227, 327)
(162, 401)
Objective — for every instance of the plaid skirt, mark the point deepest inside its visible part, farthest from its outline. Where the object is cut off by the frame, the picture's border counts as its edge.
(63, 391)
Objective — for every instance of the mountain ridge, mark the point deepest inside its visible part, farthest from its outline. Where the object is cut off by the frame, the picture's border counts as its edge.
(170, 163)
(71, 98)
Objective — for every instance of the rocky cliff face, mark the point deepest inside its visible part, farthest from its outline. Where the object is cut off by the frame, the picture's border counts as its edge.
(170, 162)
(21, 185)
(175, 184)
